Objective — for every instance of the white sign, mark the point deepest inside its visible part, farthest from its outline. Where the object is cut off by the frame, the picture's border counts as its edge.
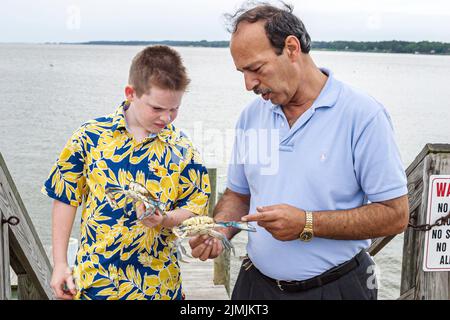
(437, 240)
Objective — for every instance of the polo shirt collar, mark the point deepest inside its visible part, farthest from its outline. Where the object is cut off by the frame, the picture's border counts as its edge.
(327, 97)
(169, 134)
(329, 93)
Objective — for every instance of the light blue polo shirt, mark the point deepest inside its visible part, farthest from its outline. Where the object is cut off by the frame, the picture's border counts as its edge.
(339, 154)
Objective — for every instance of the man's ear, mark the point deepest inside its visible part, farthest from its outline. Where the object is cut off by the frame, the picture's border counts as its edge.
(293, 47)
(130, 93)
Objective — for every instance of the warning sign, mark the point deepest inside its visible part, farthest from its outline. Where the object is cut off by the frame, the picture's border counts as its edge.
(437, 240)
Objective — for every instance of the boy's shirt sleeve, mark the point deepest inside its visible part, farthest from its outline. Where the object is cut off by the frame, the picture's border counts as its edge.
(66, 181)
(194, 186)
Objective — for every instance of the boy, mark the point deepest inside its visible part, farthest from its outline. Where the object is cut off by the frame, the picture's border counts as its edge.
(120, 257)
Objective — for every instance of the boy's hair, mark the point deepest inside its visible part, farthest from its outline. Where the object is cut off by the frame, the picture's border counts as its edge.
(158, 66)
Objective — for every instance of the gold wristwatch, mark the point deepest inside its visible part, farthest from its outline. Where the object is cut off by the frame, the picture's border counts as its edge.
(307, 233)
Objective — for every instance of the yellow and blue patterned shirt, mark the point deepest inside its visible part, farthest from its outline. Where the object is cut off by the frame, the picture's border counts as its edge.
(117, 257)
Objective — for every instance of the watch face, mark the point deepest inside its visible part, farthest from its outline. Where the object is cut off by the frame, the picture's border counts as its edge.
(306, 236)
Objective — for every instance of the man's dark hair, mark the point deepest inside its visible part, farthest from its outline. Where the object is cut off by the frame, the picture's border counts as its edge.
(280, 23)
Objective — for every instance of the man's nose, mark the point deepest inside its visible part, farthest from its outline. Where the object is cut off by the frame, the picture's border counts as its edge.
(251, 82)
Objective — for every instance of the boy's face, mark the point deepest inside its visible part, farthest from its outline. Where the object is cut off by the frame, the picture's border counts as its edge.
(155, 109)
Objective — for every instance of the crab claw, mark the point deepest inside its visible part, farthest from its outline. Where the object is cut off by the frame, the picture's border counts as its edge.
(236, 224)
(227, 245)
(111, 201)
(181, 251)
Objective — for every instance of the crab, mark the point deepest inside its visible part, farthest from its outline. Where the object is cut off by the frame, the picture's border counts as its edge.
(139, 194)
(201, 225)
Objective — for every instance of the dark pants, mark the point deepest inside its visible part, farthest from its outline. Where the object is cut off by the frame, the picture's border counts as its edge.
(357, 284)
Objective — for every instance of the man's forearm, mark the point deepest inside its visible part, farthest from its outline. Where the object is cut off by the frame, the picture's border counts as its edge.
(231, 206)
(366, 222)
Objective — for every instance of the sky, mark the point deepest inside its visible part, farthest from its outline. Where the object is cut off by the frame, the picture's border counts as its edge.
(38, 21)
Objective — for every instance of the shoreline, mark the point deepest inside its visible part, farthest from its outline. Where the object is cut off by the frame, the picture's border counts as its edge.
(316, 46)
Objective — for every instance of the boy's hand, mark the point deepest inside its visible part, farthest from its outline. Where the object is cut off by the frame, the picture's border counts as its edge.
(62, 282)
(205, 247)
(151, 221)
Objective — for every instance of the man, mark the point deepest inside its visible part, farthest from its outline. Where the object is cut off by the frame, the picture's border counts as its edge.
(339, 180)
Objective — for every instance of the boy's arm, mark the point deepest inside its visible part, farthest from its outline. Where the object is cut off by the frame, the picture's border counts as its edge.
(175, 217)
(63, 216)
(170, 220)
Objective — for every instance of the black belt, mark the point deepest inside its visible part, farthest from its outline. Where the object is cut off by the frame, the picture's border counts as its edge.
(320, 280)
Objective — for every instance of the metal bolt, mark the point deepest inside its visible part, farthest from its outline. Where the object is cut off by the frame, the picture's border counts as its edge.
(13, 221)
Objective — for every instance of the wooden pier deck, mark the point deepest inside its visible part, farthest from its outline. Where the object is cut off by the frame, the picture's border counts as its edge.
(198, 281)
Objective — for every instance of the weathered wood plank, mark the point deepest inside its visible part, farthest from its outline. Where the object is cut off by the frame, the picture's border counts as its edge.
(222, 270)
(222, 262)
(415, 174)
(5, 284)
(26, 290)
(409, 259)
(3, 264)
(198, 281)
(212, 173)
(378, 244)
(408, 295)
(415, 187)
(24, 243)
(429, 148)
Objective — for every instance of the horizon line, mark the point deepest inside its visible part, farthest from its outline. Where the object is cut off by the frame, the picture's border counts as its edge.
(199, 41)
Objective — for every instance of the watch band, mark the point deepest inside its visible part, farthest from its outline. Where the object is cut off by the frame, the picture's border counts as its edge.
(309, 220)
(307, 234)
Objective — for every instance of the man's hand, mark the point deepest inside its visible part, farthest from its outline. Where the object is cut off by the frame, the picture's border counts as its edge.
(230, 207)
(62, 282)
(205, 247)
(283, 221)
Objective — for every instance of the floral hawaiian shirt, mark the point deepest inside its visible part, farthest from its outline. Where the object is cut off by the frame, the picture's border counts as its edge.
(119, 258)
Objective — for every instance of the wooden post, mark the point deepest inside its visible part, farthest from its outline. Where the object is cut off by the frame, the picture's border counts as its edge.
(5, 284)
(212, 173)
(222, 262)
(415, 283)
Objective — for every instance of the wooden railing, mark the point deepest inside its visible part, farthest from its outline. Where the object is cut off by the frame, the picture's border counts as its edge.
(416, 284)
(20, 246)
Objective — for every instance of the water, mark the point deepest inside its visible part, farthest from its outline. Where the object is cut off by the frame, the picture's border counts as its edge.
(47, 91)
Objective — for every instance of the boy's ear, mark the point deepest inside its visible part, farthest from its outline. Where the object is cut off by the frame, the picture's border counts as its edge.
(130, 93)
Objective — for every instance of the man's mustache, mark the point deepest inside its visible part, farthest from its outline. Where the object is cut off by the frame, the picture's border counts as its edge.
(262, 91)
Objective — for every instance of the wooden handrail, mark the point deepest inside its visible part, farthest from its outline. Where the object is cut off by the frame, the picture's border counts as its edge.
(21, 246)
(414, 173)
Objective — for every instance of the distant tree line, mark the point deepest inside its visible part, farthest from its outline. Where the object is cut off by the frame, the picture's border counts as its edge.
(422, 47)
(202, 43)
